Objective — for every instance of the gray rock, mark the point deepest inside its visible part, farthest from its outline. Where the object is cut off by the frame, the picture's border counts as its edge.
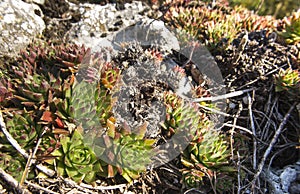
(284, 180)
(287, 177)
(148, 32)
(18, 25)
(98, 22)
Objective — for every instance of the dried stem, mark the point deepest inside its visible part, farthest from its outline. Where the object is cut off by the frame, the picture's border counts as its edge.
(38, 187)
(12, 182)
(233, 128)
(250, 101)
(83, 186)
(272, 143)
(221, 97)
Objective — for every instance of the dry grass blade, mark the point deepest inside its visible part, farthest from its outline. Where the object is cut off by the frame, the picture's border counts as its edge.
(31, 160)
(250, 101)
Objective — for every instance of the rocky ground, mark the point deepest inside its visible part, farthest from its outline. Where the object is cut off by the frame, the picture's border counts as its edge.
(253, 120)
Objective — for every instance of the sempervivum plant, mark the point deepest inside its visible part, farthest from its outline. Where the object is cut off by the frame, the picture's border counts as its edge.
(23, 128)
(90, 104)
(13, 164)
(133, 153)
(125, 151)
(179, 115)
(206, 155)
(40, 75)
(209, 25)
(291, 28)
(77, 160)
(212, 24)
(90, 100)
(288, 80)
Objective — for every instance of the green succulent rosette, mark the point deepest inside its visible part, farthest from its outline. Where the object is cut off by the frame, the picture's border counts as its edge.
(291, 32)
(14, 164)
(124, 151)
(212, 151)
(288, 80)
(76, 160)
(192, 177)
(206, 154)
(134, 155)
(23, 128)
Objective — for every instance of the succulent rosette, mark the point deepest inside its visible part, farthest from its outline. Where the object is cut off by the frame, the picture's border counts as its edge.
(288, 82)
(77, 160)
(125, 151)
(291, 30)
(13, 164)
(206, 154)
(23, 128)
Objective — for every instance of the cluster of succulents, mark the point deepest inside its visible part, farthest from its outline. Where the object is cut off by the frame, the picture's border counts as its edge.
(125, 151)
(24, 129)
(14, 164)
(291, 28)
(214, 24)
(53, 92)
(35, 85)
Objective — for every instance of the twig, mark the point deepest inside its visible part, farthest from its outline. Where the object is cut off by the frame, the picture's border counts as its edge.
(26, 170)
(273, 141)
(15, 144)
(221, 97)
(193, 189)
(30, 159)
(239, 171)
(83, 186)
(101, 188)
(259, 6)
(233, 127)
(191, 54)
(12, 182)
(250, 101)
(39, 187)
(238, 127)
(265, 131)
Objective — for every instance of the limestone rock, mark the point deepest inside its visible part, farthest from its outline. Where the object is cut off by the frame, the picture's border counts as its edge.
(149, 32)
(19, 24)
(284, 180)
(97, 21)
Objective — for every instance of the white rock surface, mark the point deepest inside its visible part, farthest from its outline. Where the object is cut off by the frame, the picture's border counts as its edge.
(99, 21)
(284, 180)
(149, 32)
(40, 2)
(18, 25)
